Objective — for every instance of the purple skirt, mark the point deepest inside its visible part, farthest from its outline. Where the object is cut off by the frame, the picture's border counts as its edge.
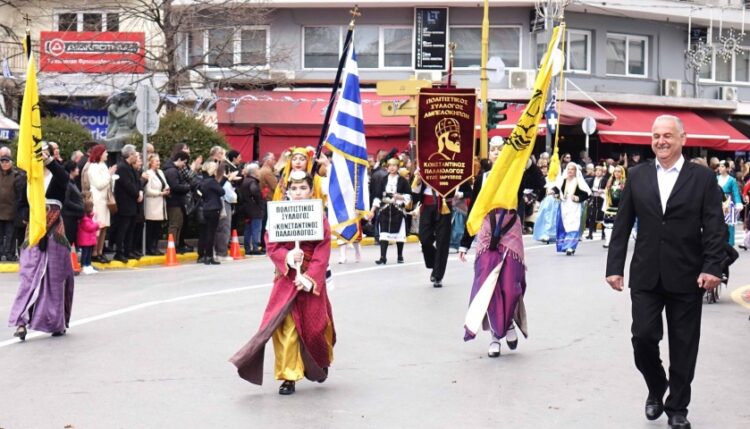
(45, 296)
(510, 287)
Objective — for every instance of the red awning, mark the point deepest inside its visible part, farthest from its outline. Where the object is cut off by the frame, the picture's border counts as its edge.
(737, 141)
(633, 126)
(570, 114)
(292, 108)
(294, 118)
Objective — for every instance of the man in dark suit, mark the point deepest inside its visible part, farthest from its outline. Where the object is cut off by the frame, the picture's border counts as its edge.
(678, 255)
(128, 193)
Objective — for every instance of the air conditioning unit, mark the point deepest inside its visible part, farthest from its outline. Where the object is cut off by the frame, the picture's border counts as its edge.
(728, 93)
(671, 88)
(521, 79)
(431, 75)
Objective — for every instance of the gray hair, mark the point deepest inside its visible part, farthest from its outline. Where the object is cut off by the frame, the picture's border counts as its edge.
(5, 151)
(268, 156)
(75, 155)
(215, 150)
(677, 122)
(251, 169)
(127, 151)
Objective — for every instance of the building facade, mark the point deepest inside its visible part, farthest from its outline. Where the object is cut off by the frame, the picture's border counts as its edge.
(626, 61)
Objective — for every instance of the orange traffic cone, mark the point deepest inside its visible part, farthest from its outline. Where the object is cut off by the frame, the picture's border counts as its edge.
(234, 249)
(74, 259)
(171, 258)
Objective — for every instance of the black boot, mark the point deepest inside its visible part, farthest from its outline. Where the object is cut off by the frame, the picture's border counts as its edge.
(383, 250)
(400, 249)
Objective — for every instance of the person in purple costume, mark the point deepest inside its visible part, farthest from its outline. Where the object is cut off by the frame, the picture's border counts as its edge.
(45, 295)
(496, 302)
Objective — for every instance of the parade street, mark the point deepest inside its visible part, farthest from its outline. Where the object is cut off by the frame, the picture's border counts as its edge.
(148, 348)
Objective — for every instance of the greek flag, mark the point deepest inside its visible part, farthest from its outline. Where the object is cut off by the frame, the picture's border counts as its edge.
(348, 196)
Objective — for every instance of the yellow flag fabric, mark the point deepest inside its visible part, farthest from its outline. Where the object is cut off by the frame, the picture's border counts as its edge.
(30, 156)
(553, 169)
(500, 190)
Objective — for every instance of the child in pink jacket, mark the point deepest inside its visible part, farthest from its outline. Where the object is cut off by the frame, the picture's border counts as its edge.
(88, 229)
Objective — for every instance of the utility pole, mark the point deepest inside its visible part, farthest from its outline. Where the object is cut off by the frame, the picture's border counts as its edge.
(483, 80)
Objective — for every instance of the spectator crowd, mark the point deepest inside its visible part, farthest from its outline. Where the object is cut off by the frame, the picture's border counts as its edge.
(108, 206)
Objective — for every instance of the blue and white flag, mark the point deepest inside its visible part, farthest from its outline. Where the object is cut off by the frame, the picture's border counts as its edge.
(348, 195)
(550, 113)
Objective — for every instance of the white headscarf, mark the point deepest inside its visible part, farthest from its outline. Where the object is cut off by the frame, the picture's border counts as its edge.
(582, 185)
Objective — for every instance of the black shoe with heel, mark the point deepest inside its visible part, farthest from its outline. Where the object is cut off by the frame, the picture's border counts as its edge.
(20, 333)
(286, 388)
(381, 261)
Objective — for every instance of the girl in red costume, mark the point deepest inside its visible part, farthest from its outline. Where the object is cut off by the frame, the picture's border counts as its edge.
(298, 315)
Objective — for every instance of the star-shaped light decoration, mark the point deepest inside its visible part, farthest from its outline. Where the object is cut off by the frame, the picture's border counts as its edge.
(699, 56)
(729, 44)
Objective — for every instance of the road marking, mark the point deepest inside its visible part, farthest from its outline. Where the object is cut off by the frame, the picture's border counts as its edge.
(149, 304)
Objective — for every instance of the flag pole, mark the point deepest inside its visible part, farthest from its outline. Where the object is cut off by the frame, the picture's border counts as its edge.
(337, 81)
(483, 149)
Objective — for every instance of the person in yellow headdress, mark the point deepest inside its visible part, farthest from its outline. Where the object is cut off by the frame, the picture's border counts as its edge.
(300, 159)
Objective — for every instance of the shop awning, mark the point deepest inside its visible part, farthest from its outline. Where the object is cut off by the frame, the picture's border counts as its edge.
(570, 114)
(633, 126)
(736, 142)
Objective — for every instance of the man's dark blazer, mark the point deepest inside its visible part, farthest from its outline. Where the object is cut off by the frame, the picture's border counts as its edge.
(127, 187)
(676, 245)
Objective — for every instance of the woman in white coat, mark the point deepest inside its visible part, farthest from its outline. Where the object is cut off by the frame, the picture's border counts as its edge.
(154, 206)
(100, 179)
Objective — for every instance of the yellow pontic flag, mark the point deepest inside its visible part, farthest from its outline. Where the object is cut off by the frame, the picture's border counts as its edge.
(30, 156)
(500, 190)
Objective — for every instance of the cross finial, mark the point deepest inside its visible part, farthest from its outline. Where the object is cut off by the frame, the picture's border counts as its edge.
(354, 13)
(28, 22)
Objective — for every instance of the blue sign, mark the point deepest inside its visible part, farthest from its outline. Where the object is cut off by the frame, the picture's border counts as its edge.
(6, 134)
(95, 120)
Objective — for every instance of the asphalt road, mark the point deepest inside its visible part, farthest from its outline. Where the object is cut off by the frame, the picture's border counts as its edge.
(149, 347)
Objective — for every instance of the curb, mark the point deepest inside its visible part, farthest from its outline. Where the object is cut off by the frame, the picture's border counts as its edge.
(146, 261)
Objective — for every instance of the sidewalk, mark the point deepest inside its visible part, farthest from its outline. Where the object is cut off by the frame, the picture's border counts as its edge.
(12, 267)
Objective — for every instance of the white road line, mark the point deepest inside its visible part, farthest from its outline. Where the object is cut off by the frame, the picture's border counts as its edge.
(149, 304)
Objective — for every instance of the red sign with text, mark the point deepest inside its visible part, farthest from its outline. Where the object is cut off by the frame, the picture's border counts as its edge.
(92, 52)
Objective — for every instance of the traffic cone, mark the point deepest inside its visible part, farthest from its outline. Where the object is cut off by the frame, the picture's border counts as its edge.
(171, 258)
(234, 249)
(74, 259)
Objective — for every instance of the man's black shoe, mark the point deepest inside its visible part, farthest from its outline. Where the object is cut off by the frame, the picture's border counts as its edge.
(679, 421)
(182, 250)
(120, 258)
(211, 261)
(400, 260)
(437, 283)
(432, 279)
(134, 255)
(654, 408)
(380, 261)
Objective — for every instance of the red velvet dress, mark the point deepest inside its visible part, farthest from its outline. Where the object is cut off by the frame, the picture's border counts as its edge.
(311, 311)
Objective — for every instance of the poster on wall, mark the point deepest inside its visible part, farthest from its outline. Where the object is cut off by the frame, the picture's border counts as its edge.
(95, 120)
(92, 52)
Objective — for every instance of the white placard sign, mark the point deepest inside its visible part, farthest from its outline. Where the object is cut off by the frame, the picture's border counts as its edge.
(300, 220)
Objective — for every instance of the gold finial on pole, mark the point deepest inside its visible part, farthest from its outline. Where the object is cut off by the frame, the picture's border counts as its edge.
(354, 13)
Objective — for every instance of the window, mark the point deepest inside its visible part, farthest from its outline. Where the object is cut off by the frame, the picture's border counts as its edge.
(397, 46)
(627, 55)
(735, 69)
(220, 47)
(578, 50)
(321, 47)
(253, 47)
(376, 46)
(367, 46)
(505, 42)
(227, 47)
(88, 21)
(67, 22)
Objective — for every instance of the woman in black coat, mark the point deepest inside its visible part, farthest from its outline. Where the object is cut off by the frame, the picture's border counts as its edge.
(212, 191)
(251, 207)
